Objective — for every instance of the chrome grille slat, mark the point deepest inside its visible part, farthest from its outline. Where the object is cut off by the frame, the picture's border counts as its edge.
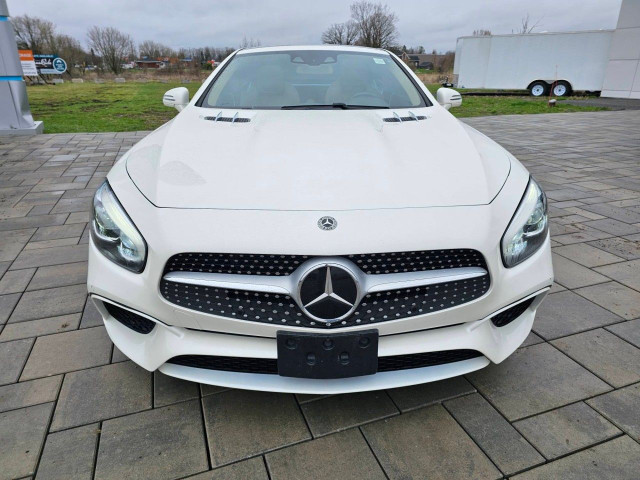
(287, 284)
(277, 309)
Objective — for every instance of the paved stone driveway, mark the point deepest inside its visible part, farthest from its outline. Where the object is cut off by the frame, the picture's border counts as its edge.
(567, 405)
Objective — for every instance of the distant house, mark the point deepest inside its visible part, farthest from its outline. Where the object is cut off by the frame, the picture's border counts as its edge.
(149, 63)
(175, 61)
(194, 62)
(427, 61)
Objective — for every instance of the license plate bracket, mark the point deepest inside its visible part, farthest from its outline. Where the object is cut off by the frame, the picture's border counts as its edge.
(324, 356)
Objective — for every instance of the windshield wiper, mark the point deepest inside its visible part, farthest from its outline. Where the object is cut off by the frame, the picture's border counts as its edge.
(342, 106)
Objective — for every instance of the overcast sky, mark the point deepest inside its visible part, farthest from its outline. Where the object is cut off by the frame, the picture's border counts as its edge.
(193, 23)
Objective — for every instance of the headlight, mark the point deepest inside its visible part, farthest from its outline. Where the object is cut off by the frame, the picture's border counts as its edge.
(528, 228)
(114, 233)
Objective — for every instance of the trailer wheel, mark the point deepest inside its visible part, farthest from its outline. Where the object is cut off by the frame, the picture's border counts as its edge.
(561, 89)
(538, 89)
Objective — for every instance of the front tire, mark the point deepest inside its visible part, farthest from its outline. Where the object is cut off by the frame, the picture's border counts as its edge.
(561, 89)
(538, 89)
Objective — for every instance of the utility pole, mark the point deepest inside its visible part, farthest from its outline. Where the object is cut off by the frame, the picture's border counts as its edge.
(15, 115)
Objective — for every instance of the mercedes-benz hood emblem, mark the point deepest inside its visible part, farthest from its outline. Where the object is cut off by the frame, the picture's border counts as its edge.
(327, 223)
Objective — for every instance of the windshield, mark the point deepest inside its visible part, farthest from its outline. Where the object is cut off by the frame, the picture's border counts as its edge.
(312, 79)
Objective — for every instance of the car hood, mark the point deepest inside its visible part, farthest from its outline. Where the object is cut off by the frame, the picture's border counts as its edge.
(316, 160)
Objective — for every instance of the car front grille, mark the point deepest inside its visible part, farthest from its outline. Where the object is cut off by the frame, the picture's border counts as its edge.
(369, 263)
(270, 365)
(279, 309)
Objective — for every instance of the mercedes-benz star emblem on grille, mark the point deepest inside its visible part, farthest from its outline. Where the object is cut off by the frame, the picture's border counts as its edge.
(327, 223)
(328, 293)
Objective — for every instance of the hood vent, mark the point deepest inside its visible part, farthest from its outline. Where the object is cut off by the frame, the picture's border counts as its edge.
(234, 119)
(398, 119)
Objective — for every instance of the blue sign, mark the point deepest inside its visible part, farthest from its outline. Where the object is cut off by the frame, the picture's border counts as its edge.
(60, 65)
(48, 64)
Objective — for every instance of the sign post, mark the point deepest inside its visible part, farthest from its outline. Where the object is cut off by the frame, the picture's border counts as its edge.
(15, 116)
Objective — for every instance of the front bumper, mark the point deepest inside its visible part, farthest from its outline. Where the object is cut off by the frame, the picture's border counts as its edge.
(181, 331)
(153, 350)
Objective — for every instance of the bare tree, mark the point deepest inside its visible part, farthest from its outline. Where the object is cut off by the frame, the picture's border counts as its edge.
(376, 24)
(39, 35)
(526, 26)
(70, 50)
(341, 34)
(155, 50)
(445, 61)
(418, 49)
(249, 42)
(112, 45)
(481, 32)
(220, 54)
(34, 33)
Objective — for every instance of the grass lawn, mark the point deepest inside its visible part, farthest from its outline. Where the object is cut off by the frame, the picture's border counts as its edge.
(120, 107)
(102, 107)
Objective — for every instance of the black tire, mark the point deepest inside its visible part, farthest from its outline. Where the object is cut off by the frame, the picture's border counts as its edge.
(539, 89)
(561, 89)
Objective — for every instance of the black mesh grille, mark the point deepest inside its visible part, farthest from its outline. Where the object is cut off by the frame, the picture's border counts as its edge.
(509, 315)
(282, 309)
(228, 364)
(270, 365)
(237, 263)
(396, 304)
(129, 319)
(427, 359)
(370, 263)
(400, 262)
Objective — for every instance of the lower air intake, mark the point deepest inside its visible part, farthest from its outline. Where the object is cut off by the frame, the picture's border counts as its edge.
(131, 320)
(270, 365)
(510, 314)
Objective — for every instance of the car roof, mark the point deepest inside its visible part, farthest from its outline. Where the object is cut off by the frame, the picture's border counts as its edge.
(288, 48)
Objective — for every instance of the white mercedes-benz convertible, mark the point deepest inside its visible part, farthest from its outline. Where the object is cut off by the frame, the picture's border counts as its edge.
(315, 221)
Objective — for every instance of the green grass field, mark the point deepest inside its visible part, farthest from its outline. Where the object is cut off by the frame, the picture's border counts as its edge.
(117, 107)
(102, 107)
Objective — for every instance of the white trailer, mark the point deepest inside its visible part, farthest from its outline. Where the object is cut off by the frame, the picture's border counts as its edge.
(542, 63)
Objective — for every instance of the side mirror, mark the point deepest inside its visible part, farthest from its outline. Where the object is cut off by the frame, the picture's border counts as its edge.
(448, 98)
(177, 98)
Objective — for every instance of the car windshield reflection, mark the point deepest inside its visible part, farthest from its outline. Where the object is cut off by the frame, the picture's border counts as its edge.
(313, 79)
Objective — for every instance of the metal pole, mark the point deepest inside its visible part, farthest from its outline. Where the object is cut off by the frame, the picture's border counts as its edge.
(15, 115)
